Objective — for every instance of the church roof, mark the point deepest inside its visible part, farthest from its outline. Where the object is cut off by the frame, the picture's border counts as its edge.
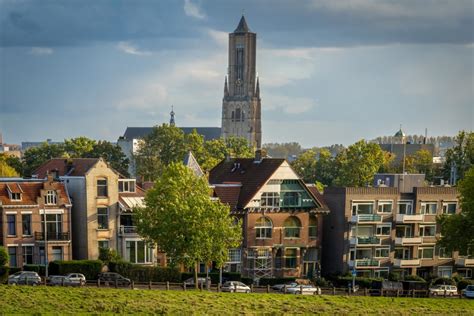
(191, 162)
(209, 133)
(242, 27)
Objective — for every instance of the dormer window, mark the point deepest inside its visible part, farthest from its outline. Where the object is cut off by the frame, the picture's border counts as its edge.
(50, 198)
(15, 196)
(126, 185)
(14, 191)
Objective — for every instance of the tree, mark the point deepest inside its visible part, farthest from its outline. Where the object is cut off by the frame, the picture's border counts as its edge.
(79, 147)
(461, 156)
(4, 258)
(238, 147)
(326, 170)
(184, 222)
(107, 255)
(305, 166)
(110, 153)
(457, 230)
(6, 170)
(36, 156)
(358, 164)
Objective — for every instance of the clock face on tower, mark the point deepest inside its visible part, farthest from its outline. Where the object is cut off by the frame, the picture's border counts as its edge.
(238, 83)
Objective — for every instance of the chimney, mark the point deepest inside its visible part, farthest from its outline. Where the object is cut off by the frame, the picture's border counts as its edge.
(258, 156)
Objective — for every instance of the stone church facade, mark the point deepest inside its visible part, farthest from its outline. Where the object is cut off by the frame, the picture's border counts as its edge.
(241, 106)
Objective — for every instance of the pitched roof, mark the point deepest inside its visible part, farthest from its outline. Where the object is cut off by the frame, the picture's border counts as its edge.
(191, 162)
(319, 197)
(30, 192)
(228, 194)
(209, 133)
(242, 27)
(251, 175)
(131, 199)
(64, 166)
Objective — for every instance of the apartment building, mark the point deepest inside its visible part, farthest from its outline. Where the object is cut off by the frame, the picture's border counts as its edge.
(378, 230)
(35, 221)
(282, 217)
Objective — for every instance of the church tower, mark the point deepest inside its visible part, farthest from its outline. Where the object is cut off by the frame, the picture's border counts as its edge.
(241, 113)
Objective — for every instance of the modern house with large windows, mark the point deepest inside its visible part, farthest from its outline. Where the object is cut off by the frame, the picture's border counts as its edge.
(281, 216)
(35, 221)
(378, 230)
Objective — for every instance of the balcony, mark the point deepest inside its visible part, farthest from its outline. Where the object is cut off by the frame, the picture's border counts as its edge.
(408, 241)
(52, 236)
(366, 218)
(406, 263)
(409, 218)
(365, 241)
(127, 230)
(365, 263)
(465, 262)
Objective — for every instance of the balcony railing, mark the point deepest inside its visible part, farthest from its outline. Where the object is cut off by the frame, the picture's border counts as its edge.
(55, 236)
(465, 262)
(364, 218)
(126, 230)
(408, 240)
(409, 218)
(365, 241)
(402, 263)
(365, 263)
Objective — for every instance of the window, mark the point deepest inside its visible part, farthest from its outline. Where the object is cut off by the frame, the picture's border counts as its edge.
(12, 255)
(54, 225)
(292, 227)
(445, 272)
(292, 199)
(234, 255)
(384, 230)
(449, 208)
(402, 253)
(429, 208)
(50, 197)
(15, 196)
(57, 253)
(126, 185)
(382, 252)
(403, 231)
(405, 207)
(425, 253)
(137, 251)
(102, 187)
(42, 255)
(428, 231)
(270, 199)
(442, 253)
(11, 224)
(290, 258)
(103, 244)
(26, 224)
(313, 227)
(385, 207)
(465, 273)
(362, 208)
(103, 218)
(382, 273)
(263, 228)
(27, 255)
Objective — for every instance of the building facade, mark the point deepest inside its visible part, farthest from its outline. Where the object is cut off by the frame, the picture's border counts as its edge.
(241, 106)
(281, 217)
(378, 230)
(35, 221)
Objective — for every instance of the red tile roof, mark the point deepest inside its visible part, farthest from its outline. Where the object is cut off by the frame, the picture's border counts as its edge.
(319, 197)
(65, 166)
(228, 194)
(30, 192)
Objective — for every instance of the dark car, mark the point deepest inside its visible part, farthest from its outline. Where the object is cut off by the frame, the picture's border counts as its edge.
(114, 278)
(24, 278)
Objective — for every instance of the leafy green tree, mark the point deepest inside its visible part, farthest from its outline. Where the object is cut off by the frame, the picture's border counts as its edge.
(457, 230)
(238, 147)
(6, 170)
(4, 258)
(358, 164)
(36, 156)
(326, 171)
(283, 150)
(184, 222)
(110, 153)
(305, 166)
(78, 147)
(461, 155)
(107, 255)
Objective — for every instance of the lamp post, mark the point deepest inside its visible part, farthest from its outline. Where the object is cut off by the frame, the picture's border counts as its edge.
(45, 228)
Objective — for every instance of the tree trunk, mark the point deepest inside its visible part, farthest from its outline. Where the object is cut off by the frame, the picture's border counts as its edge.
(196, 267)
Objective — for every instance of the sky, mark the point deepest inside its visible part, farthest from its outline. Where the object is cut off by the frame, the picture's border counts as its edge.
(331, 72)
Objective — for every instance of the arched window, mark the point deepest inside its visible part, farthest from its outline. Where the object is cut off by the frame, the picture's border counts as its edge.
(233, 116)
(292, 227)
(313, 227)
(263, 227)
(270, 199)
(292, 199)
(243, 116)
(237, 115)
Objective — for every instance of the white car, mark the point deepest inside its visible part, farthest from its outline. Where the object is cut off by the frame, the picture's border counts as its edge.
(281, 287)
(235, 287)
(469, 291)
(304, 289)
(76, 279)
(439, 290)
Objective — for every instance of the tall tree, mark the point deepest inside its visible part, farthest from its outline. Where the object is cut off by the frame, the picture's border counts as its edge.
(79, 147)
(326, 171)
(457, 230)
(306, 166)
(184, 222)
(110, 153)
(461, 156)
(238, 147)
(6, 171)
(358, 164)
(36, 156)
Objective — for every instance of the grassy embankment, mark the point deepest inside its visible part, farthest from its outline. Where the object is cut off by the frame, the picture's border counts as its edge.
(27, 299)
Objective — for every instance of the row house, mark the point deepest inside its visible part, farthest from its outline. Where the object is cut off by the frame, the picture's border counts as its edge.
(281, 216)
(35, 221)
(377, 230)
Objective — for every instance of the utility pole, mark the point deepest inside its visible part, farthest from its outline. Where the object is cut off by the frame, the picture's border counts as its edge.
(45, 244)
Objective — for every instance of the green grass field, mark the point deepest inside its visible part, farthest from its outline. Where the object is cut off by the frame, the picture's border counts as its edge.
(27, 299)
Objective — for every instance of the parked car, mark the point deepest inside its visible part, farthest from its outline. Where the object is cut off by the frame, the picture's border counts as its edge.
(468, 291)
(113, 277)
(234, 287)
(450, 290)
(281, 287)
(56, 280)
(24, 278)
(200, 281)
(304, 289)
(75, 279)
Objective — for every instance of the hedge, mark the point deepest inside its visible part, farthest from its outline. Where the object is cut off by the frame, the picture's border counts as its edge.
(141, 273)
(3, 274)
(274, 281)
(90, 268)
(462, 284)
(447, 281)
(365, 283)
(226, 276)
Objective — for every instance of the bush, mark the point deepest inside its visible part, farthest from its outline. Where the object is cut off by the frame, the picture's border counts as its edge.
(462, 284)
(447, 281)
(4, 258)
(414, 278)
(394, 276)
(90, 268)
(274, 281)
(322, 282)
(365, 283)
(107, 255)
(141, 273)
(226, 276)
(40, 269)
(3, 274)
(247, 281)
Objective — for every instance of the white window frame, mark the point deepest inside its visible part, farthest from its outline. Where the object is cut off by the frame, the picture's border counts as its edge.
(380, 249)
(50, 198)
(421, 252)
(445, 207)
(359, 202)
(424, 205)
(445, 268)
(264, 229)
(383, 225)
(407, 203)
(272, 197)
(377, 272)
(467, 272)
(383, 203)
(234, 253)
(442, 250)
(422, 231)
(127, 185)
(15, 196)
(148, 251)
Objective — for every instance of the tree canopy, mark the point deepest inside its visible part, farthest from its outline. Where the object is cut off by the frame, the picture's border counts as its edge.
(6, 169)
(461, 155)
(457, 230)
(184, 222)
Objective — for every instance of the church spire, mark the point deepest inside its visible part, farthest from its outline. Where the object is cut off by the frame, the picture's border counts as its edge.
(172, 117)
(226, 89)
(257, 89)
(242, 27)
